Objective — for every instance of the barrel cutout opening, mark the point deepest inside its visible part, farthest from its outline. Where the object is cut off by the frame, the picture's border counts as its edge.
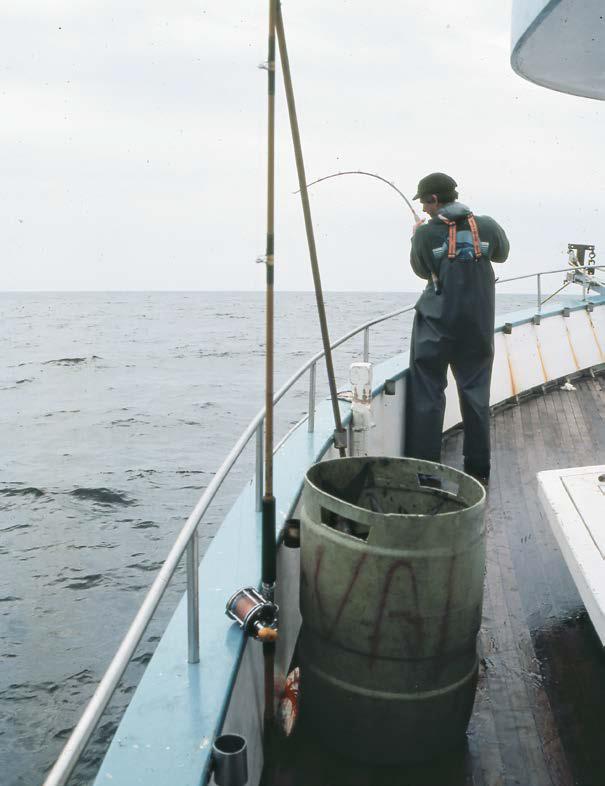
(442, 484)
(344, 525)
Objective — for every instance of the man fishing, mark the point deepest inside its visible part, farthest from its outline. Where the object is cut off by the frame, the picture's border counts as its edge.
(453, 324)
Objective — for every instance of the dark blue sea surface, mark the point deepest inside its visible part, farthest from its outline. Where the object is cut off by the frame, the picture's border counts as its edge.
(115, 410)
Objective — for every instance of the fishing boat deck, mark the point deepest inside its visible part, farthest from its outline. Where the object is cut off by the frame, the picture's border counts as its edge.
(538, 714)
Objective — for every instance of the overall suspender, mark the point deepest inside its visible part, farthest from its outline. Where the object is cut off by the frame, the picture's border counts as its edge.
(451, 249)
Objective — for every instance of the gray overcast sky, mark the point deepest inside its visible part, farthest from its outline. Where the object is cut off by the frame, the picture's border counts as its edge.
(133, 141)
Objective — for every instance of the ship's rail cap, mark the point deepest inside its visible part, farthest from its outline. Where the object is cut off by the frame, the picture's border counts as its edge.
(560, 44)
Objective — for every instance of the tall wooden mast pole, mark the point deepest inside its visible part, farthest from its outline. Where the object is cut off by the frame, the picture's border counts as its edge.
(339, 434)
(268, 507)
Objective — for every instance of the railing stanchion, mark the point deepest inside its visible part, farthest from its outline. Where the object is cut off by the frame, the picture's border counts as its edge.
(311, 423)
(539, 293)
(366, 345)
(259, 466)
(193, 598)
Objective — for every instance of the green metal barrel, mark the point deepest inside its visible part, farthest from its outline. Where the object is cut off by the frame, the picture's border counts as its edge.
(392, 567)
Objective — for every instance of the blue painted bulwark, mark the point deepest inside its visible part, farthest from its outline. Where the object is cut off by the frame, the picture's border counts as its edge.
(167, 731)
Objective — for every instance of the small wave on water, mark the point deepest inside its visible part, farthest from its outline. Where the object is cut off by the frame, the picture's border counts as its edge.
(212, 354)
(145, 525)
(81, 582)
(70, 361)
(13, 491)
(17, 382)
(103, 496)
(61, 412)
(146, 565)
(134, 474)
(127, 422)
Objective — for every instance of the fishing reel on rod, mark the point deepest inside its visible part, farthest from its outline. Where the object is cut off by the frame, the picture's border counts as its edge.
(254, 614)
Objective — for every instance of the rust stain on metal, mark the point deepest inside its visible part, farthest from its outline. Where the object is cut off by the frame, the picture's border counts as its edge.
(345, 598)
(594, 333)
(511, 372)
(445, 619)
(413, 619)
(320, 608)
(539, 348)
(573, 352)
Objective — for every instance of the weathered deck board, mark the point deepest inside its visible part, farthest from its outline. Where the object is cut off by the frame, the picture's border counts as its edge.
(538, 712)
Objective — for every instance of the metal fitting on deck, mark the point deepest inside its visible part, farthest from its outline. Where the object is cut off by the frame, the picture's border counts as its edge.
(360, 375)
(230, 754)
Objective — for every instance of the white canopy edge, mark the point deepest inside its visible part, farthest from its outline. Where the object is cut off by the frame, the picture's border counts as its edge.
(560, 44)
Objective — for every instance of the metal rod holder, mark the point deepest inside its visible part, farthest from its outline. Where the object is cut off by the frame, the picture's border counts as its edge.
(366, 345)
(193, 599)
(312, 383)
(539, 294)
(259, 466)
(230, 754)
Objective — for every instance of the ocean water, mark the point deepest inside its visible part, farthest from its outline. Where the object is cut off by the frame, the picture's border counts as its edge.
(115, 409)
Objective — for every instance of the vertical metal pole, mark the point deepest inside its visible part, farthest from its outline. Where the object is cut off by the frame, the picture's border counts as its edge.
(304, 195)
(193, 599)
(259, 466)
(539, 293)
(312, 372)
(366, 345)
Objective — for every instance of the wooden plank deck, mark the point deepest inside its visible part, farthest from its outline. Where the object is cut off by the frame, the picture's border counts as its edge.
(539, 711)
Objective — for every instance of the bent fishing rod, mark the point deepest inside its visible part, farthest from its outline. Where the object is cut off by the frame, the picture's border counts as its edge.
(418, 219)
(392, 185)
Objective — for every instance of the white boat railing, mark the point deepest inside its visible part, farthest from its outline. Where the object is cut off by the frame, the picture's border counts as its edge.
(586, 269)
(187, 540)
